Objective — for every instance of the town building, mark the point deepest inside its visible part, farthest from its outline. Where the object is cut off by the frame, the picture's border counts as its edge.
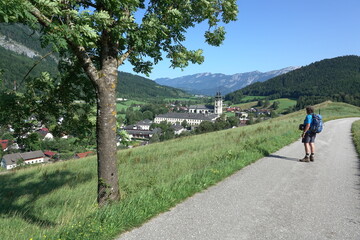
(10, 161)
(193, 119)
(141, 130)
(196, 115)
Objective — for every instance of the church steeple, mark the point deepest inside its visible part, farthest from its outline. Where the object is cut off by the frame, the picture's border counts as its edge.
(218, 104)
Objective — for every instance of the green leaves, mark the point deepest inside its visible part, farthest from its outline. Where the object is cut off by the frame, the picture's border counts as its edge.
(162, 28)
(216, 37)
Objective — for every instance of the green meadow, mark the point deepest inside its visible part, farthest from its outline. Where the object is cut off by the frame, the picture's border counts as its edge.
(126, 104)
(284, 103)
(58, 201)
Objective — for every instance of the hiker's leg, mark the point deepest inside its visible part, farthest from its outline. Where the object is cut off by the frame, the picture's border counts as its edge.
(312, 147)
(307, 148)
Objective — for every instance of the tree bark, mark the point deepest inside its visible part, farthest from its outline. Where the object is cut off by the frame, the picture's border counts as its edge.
(108, 183)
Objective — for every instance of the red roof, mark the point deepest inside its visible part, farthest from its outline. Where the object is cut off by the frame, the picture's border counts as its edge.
(4, 143)
(49, 153)
(84, 154)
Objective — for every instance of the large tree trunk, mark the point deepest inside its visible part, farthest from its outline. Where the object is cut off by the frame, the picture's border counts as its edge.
(108, 183)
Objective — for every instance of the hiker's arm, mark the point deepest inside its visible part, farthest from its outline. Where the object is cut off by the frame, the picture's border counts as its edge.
(307, 127)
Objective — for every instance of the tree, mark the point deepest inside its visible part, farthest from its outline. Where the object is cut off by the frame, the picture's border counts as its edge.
(101, 35)
(155, 138)
(148, 115)
(233, 121)
(205, 126)
(184, 124)
(275, 105)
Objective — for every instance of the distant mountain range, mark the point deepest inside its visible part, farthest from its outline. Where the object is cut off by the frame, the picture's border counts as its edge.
(209, 84)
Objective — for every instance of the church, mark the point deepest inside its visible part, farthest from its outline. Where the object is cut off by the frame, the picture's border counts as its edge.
(196, 115)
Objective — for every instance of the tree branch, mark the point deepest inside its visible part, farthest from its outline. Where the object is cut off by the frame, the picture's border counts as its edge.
(35, 64)
(43, 20)
(89, 3)
(79, 51)
(124, 57)
(86, 62)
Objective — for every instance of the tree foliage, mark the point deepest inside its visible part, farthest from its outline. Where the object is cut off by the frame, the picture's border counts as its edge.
(100, 35)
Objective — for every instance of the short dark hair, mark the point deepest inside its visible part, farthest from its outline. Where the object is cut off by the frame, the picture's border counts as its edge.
(309, 109)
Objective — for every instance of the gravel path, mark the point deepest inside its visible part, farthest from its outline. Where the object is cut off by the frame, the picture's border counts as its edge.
(275, 198)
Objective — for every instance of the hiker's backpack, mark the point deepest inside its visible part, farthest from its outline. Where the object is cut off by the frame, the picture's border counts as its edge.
(316, 124)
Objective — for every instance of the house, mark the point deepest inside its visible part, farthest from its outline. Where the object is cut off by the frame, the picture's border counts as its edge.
(202, 109)
(232, 109)
(142, 134)
(10, 161)
(44, 132)
(84, 154)
(50, 154)
(144, 124)
(178, 129)
(4, 144)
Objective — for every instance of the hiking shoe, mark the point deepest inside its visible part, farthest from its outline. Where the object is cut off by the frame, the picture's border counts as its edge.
(305, 159)
(312, 158)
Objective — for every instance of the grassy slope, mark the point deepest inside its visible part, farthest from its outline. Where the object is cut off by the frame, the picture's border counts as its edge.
(59, 200)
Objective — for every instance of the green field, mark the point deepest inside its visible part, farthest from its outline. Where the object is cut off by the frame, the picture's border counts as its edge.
(126, 104)
(58, 201)
(284, 103)
(252, 98)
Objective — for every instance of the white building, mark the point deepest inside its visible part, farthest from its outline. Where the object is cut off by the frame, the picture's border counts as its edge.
(10, 161)
(196, 114)
(192, 119)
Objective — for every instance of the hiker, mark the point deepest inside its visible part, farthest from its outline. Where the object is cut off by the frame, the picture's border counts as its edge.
(308, 137)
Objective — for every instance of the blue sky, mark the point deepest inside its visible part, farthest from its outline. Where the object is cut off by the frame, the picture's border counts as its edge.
(271, 35)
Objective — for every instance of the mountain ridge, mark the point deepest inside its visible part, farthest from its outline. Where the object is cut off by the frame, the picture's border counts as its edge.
(209, 83)
(336, 79)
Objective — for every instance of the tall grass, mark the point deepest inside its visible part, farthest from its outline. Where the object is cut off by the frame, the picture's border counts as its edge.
(355, 129)
(58, 201)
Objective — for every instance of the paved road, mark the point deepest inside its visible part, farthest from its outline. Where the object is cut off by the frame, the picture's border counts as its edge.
(275, 198)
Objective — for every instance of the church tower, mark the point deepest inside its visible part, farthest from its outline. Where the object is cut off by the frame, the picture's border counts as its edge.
(218, 104)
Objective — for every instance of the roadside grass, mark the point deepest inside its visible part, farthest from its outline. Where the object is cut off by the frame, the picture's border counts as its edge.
(355, 129)
(58, 201)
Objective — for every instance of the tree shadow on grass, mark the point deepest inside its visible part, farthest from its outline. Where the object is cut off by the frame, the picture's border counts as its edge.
(283, 157)
(19, 199)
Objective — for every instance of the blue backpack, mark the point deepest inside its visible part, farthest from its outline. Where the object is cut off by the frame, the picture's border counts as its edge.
(316, 124)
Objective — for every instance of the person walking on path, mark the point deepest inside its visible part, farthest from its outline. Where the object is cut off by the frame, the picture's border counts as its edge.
(308, 137)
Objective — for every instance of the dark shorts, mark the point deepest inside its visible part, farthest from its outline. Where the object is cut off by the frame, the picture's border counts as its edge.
(309, 138)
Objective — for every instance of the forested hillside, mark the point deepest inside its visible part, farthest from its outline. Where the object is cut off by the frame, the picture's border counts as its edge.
(15, 66)
(336, 79)
(136, 87)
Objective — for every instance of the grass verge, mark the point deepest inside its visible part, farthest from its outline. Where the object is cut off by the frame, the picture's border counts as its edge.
(58, 201)
(356, 135)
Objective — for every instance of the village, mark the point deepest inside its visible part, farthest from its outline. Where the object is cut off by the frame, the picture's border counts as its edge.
(177, 122)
